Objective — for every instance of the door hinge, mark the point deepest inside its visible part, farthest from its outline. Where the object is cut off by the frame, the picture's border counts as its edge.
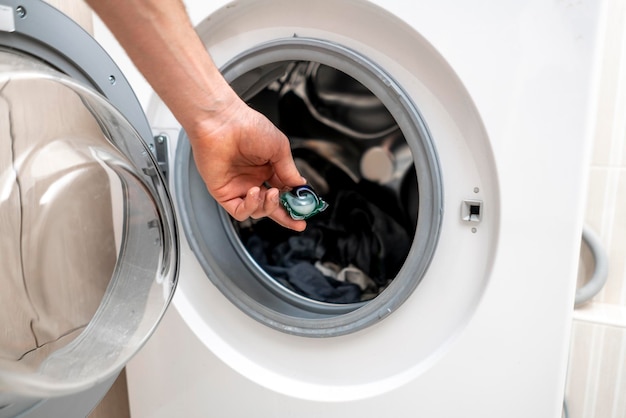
(159, 150)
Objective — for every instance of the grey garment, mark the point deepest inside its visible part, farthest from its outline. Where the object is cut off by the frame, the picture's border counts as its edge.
(350, 274)
(291, 264)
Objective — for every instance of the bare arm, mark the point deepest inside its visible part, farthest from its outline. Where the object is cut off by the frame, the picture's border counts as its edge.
(236, 149)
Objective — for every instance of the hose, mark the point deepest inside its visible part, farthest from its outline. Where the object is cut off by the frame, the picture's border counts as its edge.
(593, 286)
(600, 270)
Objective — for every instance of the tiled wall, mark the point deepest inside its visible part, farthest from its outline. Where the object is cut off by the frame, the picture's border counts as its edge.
(596, 386)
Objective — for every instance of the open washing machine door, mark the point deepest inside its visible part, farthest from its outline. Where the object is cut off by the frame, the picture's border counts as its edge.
(89, 243)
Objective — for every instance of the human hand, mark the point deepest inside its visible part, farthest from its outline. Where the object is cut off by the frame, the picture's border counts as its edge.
(236, 149)
(237, 152)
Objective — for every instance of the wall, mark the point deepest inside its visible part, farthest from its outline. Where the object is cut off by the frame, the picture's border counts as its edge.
(596, 386)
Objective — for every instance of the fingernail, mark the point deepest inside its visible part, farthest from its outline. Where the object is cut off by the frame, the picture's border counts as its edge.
(255, 193)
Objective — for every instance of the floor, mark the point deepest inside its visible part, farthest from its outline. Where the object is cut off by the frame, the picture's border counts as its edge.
(115, 403)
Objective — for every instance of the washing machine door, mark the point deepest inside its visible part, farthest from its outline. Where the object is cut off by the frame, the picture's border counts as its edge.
(88, 247)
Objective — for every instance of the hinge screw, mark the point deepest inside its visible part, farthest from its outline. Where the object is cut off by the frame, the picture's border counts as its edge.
(21, 12)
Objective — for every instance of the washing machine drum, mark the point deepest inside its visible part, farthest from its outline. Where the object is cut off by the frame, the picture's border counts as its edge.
(88, 249)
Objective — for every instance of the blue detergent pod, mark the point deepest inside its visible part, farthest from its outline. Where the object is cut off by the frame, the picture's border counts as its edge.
(302, 202)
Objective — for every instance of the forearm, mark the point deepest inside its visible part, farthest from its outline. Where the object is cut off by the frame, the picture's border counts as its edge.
(159, 38)
(237, 150)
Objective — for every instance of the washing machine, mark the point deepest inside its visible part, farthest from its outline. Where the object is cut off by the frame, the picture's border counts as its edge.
(450, 141)
(469, 123)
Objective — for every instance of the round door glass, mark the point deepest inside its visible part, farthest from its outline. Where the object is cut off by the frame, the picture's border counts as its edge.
(88, 253)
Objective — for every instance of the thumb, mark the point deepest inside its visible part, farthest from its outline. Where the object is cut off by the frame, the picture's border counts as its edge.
(285, 170)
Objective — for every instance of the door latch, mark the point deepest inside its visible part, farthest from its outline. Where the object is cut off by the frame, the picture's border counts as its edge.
(472, 211)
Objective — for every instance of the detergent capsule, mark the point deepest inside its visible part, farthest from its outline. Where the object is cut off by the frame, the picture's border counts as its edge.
(302, 202)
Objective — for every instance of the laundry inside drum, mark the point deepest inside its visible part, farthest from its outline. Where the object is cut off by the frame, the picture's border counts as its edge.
(351, 150)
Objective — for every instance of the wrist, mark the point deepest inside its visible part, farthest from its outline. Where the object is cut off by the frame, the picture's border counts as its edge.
(208, 112)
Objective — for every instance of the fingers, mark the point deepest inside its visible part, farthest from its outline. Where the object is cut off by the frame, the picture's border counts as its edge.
(259, 203)
(277, 182)
(286, 173)
(267, 204)
(281, 217)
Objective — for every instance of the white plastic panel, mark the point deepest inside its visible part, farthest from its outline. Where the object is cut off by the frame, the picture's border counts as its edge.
(527, 69)
(445, 300)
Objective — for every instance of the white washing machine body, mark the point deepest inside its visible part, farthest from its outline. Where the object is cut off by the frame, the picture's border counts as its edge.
(477, 321)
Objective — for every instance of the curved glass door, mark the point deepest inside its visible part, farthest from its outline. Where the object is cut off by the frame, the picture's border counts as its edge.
(88, 246)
